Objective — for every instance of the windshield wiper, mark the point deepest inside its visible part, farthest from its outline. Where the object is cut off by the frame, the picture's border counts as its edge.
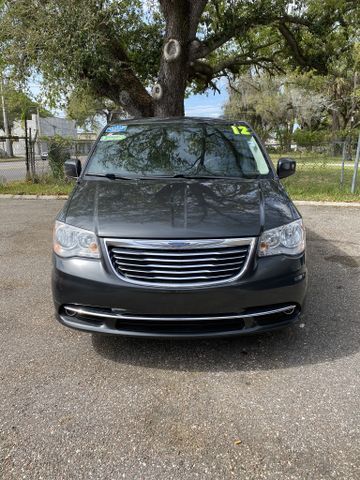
(211, 177)
(250, 175)
(113, 176)
(110, 176)
(192, 177)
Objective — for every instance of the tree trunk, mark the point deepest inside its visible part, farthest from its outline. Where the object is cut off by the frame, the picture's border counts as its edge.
(173, 74)
(336, 147)
(9, 148)
(167, 100)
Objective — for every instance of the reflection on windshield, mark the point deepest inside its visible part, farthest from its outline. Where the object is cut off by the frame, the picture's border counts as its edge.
(170, 150)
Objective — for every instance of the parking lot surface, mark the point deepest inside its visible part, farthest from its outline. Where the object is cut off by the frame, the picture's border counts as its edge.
(284, 405)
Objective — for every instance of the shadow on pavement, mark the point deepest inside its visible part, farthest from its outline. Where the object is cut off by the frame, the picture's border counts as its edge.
(329, 329)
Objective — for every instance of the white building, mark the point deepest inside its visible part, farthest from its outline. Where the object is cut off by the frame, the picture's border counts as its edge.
(40, 128)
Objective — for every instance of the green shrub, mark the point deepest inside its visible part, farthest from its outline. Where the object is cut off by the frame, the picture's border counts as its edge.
(309, 138)
(59, 152)
(347, 134)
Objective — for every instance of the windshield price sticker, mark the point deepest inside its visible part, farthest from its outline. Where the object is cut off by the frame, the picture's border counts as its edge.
(240, 130)
(112, 138)
(116, 128)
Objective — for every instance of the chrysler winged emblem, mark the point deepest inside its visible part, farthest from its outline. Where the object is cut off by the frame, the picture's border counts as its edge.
(178, 244)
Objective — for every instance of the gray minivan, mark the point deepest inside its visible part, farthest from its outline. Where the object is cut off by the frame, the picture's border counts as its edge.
(178, 228)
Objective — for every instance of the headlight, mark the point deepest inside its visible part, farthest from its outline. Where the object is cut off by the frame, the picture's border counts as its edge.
(71, 241)
(288, 239)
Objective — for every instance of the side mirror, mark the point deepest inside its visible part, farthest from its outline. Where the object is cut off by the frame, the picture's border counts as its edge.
(72, 168)
(285, 167)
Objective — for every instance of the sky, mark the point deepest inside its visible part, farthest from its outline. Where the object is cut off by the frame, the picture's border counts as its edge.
(206, 105)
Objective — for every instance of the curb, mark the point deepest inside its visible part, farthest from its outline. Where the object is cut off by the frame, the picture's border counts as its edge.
(20, 160)
(325, 204)
(297, 202)
(34, 197)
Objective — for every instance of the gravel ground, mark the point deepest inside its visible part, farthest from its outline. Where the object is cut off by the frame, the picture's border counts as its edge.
(283, 405)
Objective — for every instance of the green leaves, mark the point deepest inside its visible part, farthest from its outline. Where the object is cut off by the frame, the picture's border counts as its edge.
(87, 109)
(70, 43)
(18, 104)
(108, 47)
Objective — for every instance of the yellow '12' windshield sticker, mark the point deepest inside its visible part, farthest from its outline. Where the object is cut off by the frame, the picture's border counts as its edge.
(240, 130)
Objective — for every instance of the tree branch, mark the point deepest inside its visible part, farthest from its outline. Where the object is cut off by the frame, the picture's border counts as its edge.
(240, 27)
(213, 43)
(205, 73)
(252, 85)
(295, 19)
(131, 93)
(234, 63)
(197, 8)
(237, 60)
(292, 43)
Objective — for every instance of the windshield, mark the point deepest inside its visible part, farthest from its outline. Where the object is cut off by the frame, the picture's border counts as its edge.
(168, 150)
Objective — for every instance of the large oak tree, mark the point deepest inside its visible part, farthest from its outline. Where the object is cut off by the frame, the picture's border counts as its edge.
(145, 55)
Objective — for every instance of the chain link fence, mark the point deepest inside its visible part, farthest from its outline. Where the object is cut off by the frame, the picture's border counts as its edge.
(323, 168)
(38, 161)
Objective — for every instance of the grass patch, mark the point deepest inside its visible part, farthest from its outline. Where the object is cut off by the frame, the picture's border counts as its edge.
(317, 158)
(319, 183)
(41, 188)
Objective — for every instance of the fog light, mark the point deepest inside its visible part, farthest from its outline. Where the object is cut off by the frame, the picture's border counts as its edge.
(290, 311)
(299, 277)
(69, 313)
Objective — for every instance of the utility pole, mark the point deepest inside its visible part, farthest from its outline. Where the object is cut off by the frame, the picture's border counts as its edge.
(27, 160)
(9, 149)
(356, 167)
(38, 130)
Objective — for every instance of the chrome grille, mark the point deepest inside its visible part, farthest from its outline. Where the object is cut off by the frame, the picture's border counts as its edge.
(179, 263)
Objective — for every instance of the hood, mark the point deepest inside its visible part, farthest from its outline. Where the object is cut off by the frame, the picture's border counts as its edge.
(179, 208)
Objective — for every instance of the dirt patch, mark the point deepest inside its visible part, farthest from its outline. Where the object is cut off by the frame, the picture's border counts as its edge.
(345, 260)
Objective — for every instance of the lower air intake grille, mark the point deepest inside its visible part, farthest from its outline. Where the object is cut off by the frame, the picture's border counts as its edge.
(177, 263)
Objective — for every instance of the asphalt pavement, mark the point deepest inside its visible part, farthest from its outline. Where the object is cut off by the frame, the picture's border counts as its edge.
(284, 405)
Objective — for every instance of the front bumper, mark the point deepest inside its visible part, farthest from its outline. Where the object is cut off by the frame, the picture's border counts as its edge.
(88, 296)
